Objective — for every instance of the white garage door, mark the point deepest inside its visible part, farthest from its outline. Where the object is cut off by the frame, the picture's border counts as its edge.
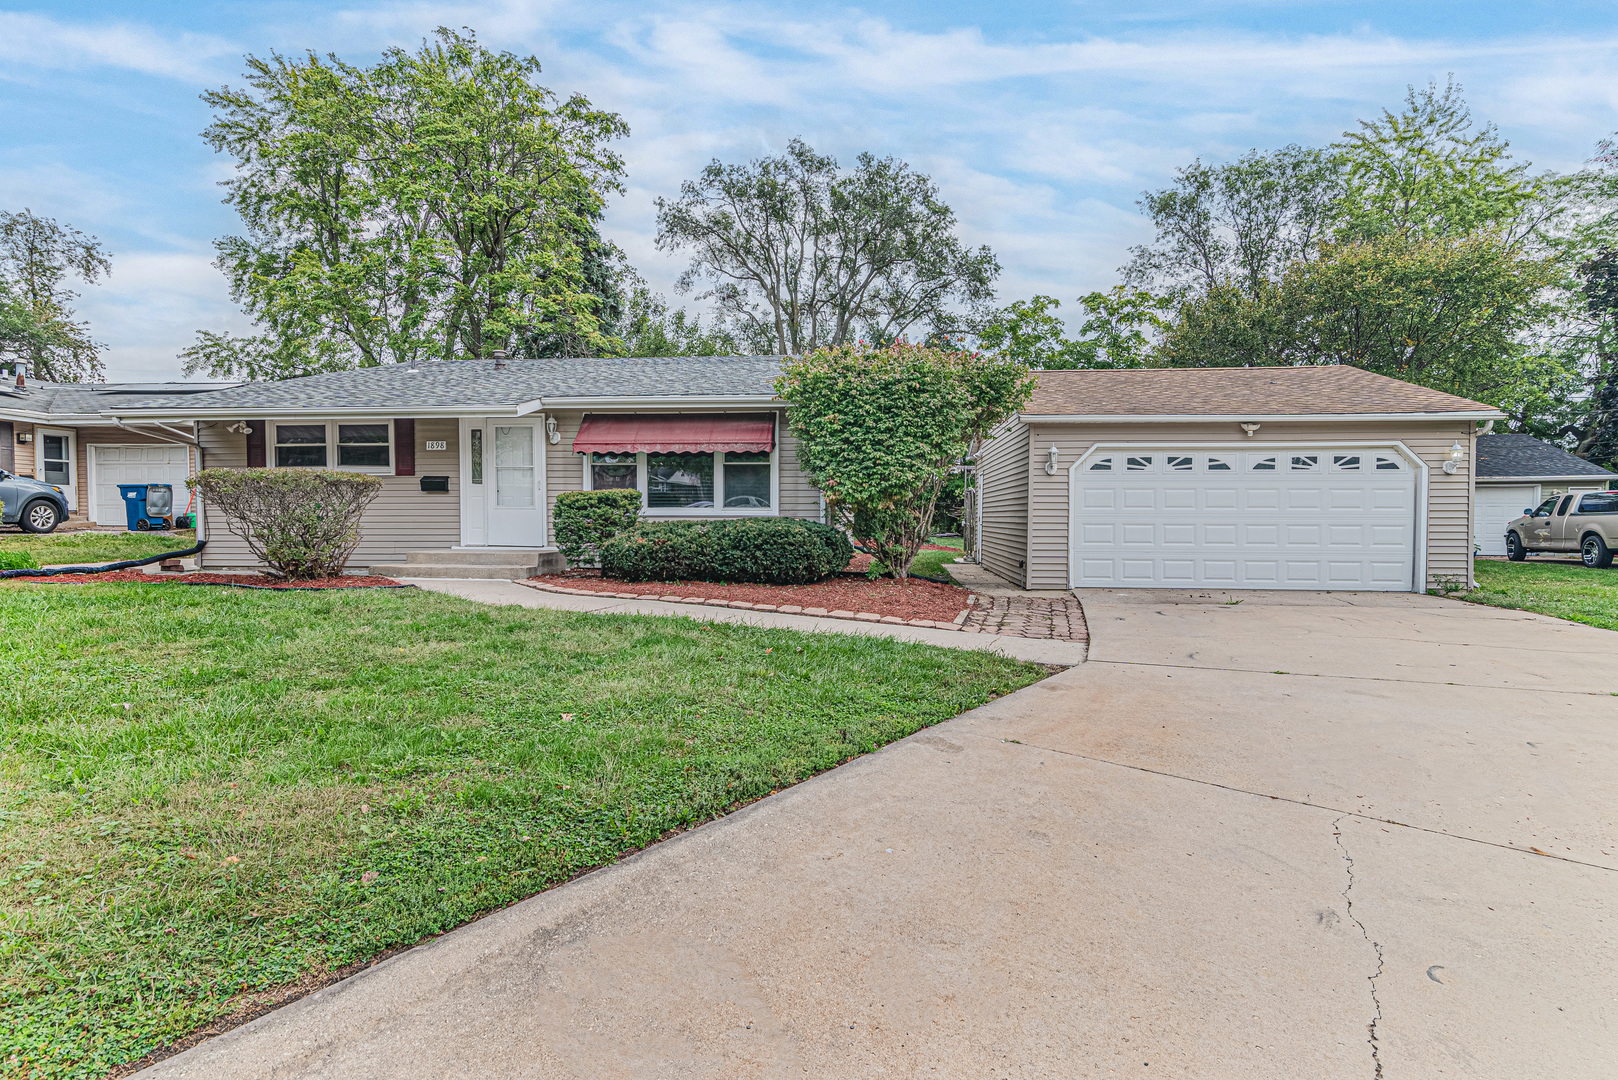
(1496, 505)
(148, 464)
(1301, 518)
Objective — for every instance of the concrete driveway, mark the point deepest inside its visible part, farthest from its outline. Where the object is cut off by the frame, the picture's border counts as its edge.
(1291, 837)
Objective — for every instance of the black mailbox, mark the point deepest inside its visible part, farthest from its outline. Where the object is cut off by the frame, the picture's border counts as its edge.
(435, 483)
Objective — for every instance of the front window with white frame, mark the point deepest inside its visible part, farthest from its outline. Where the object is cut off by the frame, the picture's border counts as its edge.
(322, 444)
(691, 483)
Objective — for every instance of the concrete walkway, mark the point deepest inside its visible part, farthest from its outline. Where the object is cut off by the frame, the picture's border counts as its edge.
(1287, 837)
(1038, 650)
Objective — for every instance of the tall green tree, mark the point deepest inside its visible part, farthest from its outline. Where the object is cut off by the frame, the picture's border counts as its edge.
(1241, 223)
(1119, 331)
(439, 204)
(1430, 171)
(798, 253)
(651, 329)
(39, 258)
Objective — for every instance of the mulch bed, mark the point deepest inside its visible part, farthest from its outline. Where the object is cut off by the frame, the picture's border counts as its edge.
(244, 581)
(909, 599)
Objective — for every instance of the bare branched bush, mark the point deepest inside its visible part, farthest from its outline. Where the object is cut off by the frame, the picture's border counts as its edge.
(302, 523)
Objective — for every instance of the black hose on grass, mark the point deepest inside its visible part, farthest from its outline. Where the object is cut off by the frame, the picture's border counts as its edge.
(129, 564)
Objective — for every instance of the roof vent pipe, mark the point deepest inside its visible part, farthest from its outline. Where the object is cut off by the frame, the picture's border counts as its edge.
(499, 359)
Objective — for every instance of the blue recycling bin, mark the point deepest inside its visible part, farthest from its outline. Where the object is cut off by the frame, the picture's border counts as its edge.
(148, 506)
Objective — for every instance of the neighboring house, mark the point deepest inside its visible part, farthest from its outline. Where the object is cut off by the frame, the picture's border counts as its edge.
(64, 435)
(1231, 478)
(1514, 473)
(473, 453)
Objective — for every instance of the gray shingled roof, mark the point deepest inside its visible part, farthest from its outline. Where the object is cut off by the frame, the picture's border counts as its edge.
(90, 399)
(476, 383)
(1525, 456)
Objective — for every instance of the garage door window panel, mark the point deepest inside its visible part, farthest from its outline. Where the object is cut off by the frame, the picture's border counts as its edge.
(1261, 464)
(1217, 464)
(1138, 464)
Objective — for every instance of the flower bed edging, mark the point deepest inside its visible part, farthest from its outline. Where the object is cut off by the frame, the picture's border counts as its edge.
(784, 609)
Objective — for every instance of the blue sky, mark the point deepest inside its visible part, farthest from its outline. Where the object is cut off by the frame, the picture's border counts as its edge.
(1042, 123)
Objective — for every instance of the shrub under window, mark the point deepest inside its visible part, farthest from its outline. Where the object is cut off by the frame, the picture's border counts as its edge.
(766, 550)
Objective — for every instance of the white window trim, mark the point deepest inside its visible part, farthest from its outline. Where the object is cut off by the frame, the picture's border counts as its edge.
(270, 444)
(718, 510)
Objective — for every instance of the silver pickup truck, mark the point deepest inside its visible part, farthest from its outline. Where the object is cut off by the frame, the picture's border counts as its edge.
(1586, 523)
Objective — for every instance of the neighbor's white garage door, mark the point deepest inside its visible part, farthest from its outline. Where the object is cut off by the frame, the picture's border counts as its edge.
(1496, 504)
(148, 464)
(1303, 518)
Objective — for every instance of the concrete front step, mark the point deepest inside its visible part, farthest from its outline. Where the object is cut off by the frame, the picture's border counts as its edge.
(509, 564)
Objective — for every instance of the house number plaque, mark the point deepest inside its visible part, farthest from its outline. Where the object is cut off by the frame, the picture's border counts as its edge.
(437, 444)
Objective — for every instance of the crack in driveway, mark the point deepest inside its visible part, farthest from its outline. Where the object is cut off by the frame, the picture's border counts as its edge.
(1356, 678)
(1348, 900)
(1296, 802)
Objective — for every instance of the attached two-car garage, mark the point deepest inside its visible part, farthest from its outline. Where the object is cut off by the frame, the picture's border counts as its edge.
(1299, 517)
(1327, 477)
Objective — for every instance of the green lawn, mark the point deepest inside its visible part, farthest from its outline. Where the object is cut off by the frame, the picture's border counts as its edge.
(208, 791)
(931, 563)
(1565, 591)
(94, 547)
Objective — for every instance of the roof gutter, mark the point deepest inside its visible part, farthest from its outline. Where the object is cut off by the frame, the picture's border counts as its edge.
(524, 408)
(1598, 478)
(1236, 418)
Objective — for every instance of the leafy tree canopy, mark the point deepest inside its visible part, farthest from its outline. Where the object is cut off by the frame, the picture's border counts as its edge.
(1118, 331)
(649, 328)
(880, 430)
(440, 204)
(798, 253)
(38, 258)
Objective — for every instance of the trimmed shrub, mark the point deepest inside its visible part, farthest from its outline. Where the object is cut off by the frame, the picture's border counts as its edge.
(18, 560)
(767, 551)
(302, 523)
(587, 519)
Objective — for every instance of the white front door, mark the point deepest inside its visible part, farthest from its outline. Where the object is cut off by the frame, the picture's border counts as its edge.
(1498, 504)
(54, 463)
(514, 476)
(148, 463)
(1309, 517)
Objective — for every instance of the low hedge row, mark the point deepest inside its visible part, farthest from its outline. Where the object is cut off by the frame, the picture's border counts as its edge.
(766, 551)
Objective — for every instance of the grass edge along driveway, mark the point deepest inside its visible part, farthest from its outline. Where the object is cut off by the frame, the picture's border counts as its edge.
(1563, 590)
(206, 793)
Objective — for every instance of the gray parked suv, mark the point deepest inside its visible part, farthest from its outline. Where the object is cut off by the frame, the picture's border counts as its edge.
(1586, 523)
(37, 507)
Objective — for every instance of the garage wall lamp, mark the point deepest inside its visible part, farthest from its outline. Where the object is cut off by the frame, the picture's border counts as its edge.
(1456, 455)
(1050, 465)
(1250, 429)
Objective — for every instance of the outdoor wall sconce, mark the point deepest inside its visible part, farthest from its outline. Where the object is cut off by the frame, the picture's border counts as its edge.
(24, 438)
(1456, 456)
(1050, 465)
(240, 427)
(551, 433)
(1250, 429)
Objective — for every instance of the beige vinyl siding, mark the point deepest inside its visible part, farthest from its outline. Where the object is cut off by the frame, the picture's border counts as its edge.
(1003, 471)
(402, 519)
(564, 471)
(25, 452)
(1449, 498)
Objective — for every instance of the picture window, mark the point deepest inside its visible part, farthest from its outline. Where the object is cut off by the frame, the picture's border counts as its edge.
(679, 481)
(747, 481)
(300, 446)
(363, 445)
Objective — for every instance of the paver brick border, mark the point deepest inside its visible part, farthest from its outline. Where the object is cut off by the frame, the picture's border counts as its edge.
(785, 609)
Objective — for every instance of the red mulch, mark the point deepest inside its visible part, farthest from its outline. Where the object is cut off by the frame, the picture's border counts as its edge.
(909, 599)
(210, 579)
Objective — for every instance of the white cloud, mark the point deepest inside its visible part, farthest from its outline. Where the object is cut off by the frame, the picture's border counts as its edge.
(39, 41)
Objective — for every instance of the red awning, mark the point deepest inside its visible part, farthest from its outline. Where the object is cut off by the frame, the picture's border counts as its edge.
(627, 433)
